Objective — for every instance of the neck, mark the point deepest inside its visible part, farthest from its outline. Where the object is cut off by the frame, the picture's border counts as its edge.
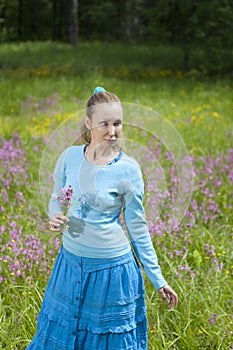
(100, 155)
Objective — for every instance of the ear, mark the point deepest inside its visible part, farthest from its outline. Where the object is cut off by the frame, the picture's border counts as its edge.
(88, 123)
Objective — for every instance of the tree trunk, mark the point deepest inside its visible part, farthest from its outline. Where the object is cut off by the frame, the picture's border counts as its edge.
(54, 20)
(60, 19)
(2, 15)
(36, 20)
(136, 20)
(67, 12)
(128, 20)
(74, 23)
(20, 19)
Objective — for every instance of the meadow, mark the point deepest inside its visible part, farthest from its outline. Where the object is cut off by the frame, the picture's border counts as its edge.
(44, 84)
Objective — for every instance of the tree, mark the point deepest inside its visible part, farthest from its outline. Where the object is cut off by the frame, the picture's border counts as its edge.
(20, 19)
(74, 23)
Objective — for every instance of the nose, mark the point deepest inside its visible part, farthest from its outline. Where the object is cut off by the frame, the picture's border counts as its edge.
(111, 130)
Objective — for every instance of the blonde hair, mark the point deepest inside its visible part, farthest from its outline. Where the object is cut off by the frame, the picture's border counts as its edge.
(96, 99)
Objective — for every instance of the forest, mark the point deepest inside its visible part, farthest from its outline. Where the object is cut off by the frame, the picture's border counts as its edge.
(200, 28)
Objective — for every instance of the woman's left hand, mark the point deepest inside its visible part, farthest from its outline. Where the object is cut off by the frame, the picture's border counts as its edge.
(169, 295)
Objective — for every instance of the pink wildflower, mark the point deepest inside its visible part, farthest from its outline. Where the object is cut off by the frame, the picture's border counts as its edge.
(65, 198)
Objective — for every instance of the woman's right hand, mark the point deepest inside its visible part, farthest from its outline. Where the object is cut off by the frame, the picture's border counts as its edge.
(57, 221)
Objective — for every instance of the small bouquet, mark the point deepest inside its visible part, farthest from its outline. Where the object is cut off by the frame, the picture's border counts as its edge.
(65, 198)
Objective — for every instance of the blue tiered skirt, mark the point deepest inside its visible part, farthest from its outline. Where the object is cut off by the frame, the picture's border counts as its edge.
(93, 304)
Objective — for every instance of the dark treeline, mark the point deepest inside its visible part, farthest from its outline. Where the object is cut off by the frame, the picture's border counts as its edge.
(200, 24)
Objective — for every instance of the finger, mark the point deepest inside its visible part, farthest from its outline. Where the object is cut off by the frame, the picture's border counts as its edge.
(171, 296)
(173, 299)
(57, 220)
(55, 224)
(54, 221)
(163, 295)
(61, 217)
(176, 300)
(54, 227)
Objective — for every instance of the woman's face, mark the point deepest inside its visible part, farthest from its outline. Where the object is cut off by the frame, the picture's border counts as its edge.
(106, 124)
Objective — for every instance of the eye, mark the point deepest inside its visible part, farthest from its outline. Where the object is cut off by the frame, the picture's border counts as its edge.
(104, 123)
(118, 123)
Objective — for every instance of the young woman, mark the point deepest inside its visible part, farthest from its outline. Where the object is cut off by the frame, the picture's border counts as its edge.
(95, 298)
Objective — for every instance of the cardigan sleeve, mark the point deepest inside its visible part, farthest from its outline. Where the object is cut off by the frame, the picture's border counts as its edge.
(137, 228)
(59, 177)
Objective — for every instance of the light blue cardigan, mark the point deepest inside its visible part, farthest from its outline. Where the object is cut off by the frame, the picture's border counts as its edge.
(101, 194)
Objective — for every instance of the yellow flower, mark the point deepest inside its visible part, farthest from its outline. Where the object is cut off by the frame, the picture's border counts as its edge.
(153, 330)
(196, 110)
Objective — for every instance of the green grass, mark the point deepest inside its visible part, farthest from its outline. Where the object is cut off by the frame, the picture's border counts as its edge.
(208, 293)
(138, 74)
(192, 106)
(198, 105)
(88, 55)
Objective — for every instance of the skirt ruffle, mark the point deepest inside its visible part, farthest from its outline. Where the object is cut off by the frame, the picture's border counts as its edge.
(93, 304)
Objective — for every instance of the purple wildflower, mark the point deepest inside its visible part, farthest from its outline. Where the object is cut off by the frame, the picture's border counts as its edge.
(65, 198)
(212, 319)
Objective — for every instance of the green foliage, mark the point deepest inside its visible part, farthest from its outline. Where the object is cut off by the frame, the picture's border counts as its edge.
(201, 29)
(19, 308)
